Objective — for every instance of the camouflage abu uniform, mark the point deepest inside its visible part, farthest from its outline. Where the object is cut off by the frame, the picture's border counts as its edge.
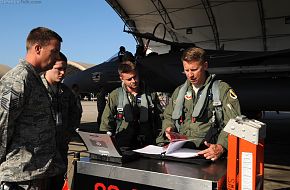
(64, 102)
(128, 133)
(28, 148)
(198, 129)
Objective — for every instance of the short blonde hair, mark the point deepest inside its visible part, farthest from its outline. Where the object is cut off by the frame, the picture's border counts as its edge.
(194, 54)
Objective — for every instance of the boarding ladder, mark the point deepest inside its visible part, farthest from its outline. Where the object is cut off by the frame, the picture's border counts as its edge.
(245, 166)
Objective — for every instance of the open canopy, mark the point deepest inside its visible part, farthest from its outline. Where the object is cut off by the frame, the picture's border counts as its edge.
(246, 25)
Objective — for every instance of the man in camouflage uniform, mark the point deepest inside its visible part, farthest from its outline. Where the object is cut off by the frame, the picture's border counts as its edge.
(131, 113)
(65, 110)
(29, 156)
(205, 128)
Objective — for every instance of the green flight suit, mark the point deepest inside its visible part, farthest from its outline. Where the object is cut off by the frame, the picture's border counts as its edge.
(197, 129)
(132, 134)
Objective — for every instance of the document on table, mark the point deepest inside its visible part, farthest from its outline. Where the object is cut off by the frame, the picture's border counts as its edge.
(174, 150)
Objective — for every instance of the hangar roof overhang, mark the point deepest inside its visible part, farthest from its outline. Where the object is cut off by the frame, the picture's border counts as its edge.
(248, 25)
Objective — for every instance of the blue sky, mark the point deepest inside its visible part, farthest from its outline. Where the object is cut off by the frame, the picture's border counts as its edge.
(91, 30)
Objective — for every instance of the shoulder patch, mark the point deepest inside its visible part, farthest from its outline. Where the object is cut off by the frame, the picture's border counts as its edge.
(10, 100)
(233, 95)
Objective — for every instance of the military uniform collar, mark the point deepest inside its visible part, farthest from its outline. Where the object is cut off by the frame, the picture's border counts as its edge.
(49, 87)
(208, 79)
(30, 67)
(44, 81)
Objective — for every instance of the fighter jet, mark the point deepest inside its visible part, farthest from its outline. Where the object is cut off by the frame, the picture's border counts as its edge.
(247, 44)
(261, 79)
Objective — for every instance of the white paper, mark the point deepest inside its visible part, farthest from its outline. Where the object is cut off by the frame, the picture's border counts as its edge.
(175, 145)
(247, 170)
(150, 149)
(174, 150)
(183, 153)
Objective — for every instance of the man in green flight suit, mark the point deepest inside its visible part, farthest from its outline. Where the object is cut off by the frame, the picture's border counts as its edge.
(195, 112)
(131, 114)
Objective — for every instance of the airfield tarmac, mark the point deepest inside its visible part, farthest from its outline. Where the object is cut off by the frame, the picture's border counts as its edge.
(277, 143)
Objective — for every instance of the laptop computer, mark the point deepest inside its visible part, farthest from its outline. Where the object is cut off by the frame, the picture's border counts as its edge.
(103, 147)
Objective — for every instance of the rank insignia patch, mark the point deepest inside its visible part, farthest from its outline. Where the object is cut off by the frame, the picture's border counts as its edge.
(10, 100)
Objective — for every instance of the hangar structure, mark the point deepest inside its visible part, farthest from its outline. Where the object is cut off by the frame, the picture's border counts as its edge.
(247, 44)
(246, 25)
(4, 69)
(72, 68)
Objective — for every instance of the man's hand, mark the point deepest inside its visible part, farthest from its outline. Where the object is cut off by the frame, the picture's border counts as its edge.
(213, 152)
(167, 130)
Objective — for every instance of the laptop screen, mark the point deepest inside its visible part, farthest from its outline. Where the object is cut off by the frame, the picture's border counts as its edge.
(99, 144)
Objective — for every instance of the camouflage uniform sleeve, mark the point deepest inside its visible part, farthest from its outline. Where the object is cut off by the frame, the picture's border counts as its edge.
(167, 121)
(108, 122)
(11, 105)
(230, 107)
